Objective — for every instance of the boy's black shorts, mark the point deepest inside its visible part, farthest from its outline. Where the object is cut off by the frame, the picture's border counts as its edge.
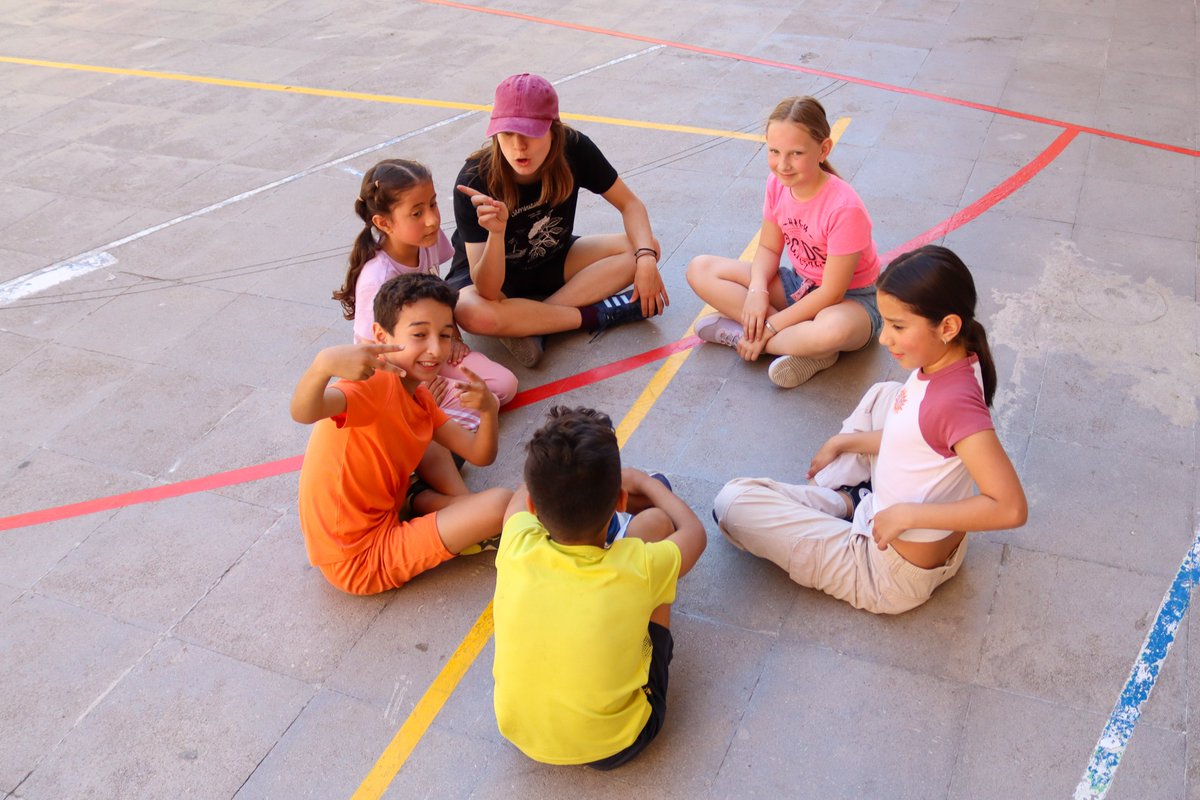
(656, 692)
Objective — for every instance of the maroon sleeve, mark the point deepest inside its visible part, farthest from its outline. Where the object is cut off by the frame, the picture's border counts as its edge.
(953, 409)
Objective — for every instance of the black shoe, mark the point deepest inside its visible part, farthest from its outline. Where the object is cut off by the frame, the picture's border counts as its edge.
(616, 310)
(857, 493)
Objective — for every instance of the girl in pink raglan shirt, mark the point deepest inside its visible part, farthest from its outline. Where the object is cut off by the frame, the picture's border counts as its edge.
(824, 302)
(918, 451)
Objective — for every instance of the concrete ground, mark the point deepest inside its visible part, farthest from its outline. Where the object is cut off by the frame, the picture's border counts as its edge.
(181, 646)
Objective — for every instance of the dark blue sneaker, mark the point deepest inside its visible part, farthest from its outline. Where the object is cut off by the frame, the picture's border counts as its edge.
(857, 493)
(620, 520)
(616, 310)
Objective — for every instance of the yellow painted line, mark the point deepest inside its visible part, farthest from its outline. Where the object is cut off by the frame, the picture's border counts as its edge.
(658, 384)
(422, 716)
(410, 733)
(365, 96)
(838, 128)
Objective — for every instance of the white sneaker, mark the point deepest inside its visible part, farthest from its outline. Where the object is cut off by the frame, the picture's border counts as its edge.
(787, 372)
(717, 329)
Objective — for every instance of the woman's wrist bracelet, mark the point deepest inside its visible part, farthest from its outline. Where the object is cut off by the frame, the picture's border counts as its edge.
(645, 251)
(770, 327)
(752, 291)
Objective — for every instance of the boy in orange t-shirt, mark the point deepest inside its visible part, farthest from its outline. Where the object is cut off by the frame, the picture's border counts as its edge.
(372, 428)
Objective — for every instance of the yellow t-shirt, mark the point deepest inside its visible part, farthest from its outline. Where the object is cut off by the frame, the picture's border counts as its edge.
(572, 647)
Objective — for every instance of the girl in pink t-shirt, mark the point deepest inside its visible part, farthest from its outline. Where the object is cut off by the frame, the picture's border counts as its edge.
(916, 451)
(824, 302)
(402, 233)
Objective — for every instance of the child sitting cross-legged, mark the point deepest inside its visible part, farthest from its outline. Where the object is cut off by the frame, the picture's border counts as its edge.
(582, 624)
(372, 428)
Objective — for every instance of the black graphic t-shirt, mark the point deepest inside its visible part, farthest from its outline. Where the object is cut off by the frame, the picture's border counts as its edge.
(536, 236)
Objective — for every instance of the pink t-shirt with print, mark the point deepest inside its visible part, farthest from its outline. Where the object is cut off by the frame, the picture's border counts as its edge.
(835, 222)
(382, 268)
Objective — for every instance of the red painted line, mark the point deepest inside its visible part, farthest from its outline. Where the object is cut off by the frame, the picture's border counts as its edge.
(208, 482)
(1000, 192)
(1007, 112)
(596, 374)
(270, 469)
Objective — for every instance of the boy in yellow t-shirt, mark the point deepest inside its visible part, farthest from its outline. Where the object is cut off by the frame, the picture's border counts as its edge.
(583, 639)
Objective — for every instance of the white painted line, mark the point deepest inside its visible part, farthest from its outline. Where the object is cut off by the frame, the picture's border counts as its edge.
(97, 258)
(44, 278)
(610, 63)
(1097, 778)
(89, 261)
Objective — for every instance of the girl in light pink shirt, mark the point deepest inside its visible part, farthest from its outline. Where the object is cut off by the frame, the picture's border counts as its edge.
(823, 302)
(402, 233)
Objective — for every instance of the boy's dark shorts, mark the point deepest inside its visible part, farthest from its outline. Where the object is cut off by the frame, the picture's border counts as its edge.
(656, 692)
(541, 282)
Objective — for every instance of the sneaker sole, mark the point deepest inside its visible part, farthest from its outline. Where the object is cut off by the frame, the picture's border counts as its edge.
(525, 349)
(788, 372)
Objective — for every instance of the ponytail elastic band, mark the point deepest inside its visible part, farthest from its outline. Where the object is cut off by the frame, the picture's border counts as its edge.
(641, 251)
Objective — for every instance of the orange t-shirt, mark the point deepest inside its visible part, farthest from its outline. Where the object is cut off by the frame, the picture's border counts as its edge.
(357, 465)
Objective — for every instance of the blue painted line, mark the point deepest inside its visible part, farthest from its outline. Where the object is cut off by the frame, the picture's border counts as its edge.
(1115, 736)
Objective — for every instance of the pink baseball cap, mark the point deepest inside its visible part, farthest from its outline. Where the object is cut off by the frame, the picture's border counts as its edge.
(525, 104)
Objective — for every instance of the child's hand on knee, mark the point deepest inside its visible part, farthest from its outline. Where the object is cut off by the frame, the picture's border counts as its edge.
(824, 456)
(633, 480)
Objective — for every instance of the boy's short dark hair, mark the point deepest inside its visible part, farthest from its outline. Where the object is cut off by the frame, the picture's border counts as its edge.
(406, 289)
(573, 472)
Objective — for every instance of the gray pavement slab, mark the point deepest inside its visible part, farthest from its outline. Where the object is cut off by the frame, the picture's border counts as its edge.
(176, 722)
(875, 719)
(1015, 746)
(1073, 646)
(185, 646)
(58, 660)
(275, 611)
(150, 565)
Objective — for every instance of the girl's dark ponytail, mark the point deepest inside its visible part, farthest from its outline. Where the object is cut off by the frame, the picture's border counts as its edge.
(976, 341)
(382, 186)
(361, 252)
(935, 283)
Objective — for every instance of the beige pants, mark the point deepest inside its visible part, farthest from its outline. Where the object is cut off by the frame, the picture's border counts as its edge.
(801, 529)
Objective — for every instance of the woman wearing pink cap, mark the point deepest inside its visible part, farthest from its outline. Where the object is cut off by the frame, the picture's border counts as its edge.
(522, 271)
